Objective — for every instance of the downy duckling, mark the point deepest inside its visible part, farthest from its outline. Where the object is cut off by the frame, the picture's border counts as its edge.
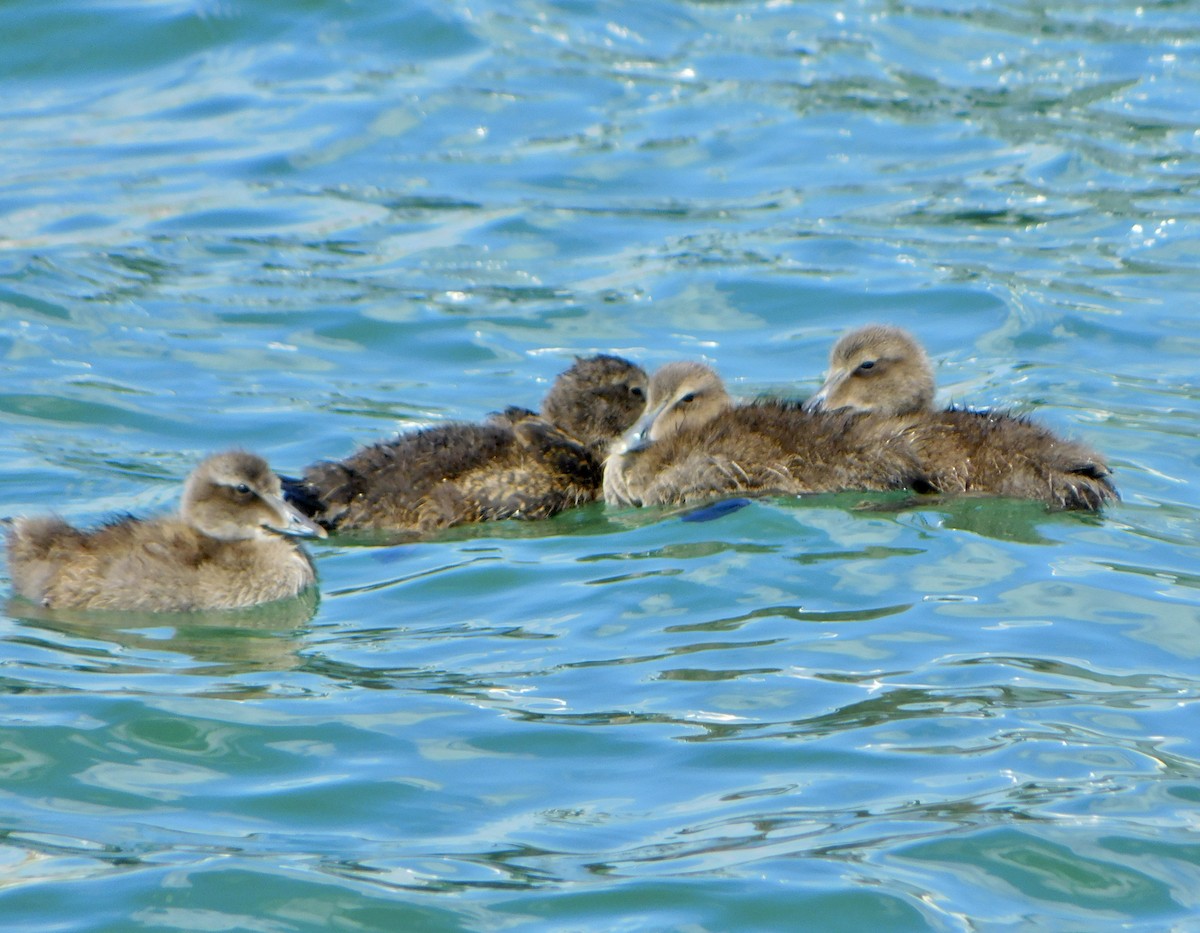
(694, 443)
(226, 549)
(883, 371)
(597, 400)
(518, 464)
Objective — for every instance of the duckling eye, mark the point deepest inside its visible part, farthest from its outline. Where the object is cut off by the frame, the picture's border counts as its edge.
(690, 397)
(242, 489)
(636, 392)
(866, 366)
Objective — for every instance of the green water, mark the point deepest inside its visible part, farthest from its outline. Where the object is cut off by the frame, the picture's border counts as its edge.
(301, 227)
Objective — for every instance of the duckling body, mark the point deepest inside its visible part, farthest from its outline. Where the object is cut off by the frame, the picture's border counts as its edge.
(884, 373)
(694, 443)
(518, 464)
(515, 466)
(224, 550)
(999, 454)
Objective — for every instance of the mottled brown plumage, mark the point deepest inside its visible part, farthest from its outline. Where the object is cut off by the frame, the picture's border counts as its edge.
(518, 464)
(694, 443)
(224, 550)
(884, 372)
(596, 400)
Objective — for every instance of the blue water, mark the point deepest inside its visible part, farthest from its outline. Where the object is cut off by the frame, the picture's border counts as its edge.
(299, 228)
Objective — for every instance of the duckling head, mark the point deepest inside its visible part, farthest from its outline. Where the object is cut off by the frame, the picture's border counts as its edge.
(682, 395)
(597, 399)
(235, 496)
(879, 369)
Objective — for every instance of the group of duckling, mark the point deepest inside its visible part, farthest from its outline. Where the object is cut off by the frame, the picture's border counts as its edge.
(605, 430)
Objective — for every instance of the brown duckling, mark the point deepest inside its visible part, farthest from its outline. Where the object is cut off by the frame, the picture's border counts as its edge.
(596, 400)
(883, 371)
(694, 443)
(224, 550)
(518, 464)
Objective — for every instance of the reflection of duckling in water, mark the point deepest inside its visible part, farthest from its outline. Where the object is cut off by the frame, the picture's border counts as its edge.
(694, 443)
(225, 550)
(209, 643)
(518, 464)
(884, 371)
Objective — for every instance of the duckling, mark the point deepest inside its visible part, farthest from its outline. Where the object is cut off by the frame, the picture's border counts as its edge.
(596, 400)
(518, 464)
(883, 371)
(695, 443)
(224, 550)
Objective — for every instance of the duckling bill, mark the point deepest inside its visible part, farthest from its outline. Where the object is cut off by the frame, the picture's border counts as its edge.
(519, 464)
(230, 546)
(884, 373)
(693, 443)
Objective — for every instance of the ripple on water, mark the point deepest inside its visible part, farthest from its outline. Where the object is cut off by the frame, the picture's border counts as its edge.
(300, 230)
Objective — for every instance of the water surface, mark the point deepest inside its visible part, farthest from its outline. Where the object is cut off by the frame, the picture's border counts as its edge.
(301, 228)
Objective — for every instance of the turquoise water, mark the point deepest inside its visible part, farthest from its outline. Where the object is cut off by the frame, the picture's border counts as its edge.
(298, 228)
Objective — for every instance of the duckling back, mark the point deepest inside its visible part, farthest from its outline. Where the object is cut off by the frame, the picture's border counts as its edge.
(36, 549)
(516, 465)
(151, 566)
(764, 448)
(883, 372)
(698, 446)
(998, 454)
(168, 564)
